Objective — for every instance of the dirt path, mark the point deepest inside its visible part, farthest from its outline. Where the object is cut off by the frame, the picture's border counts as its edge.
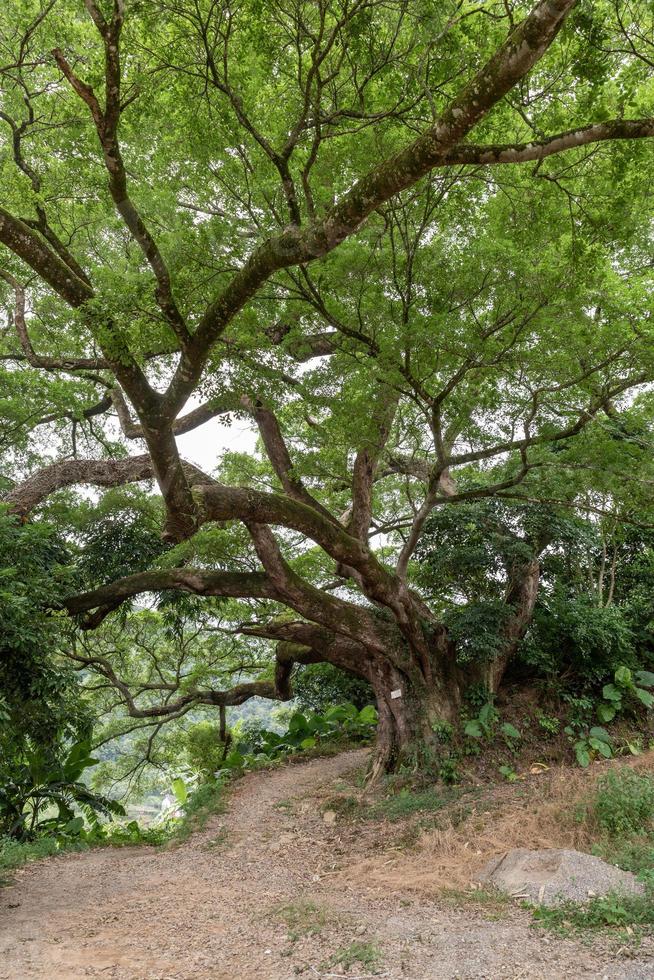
(258, 895)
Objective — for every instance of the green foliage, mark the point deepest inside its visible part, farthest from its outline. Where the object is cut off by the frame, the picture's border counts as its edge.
(549, 724)
(471, 547)
(306, 731)
(476, 628)
(39, 691)
(44, 722)
(121, 536)
(509, 773)
(622, 810)
(634, 853)
(317, 686)
(480, 305)
(15, 853)
(201, 803)
(576, 635)
(627, 686)
(484, 724)
(624, 804)
(367, 954)
(579, 709)
(487, 724)
(589, 743)
(606, 912)
(406, 802)
(127, 835)
(204, 748)
(178, 787)
(448, 769)
(33, 787)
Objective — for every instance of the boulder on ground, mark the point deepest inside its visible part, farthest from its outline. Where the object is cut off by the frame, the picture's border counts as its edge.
(552, 876)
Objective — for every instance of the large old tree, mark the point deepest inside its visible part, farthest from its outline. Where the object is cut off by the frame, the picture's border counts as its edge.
(408, 239)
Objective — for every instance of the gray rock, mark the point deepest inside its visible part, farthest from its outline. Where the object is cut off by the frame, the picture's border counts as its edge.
(550, 877)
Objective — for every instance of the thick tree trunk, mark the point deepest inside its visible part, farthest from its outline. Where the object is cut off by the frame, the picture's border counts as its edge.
(411, 709)
(415, 699)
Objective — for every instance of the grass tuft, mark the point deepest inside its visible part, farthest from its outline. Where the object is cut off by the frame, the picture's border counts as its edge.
(302, 918)
(367, 955)
(407, 802)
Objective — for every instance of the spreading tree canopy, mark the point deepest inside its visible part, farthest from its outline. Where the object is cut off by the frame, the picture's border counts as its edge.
(410, 240)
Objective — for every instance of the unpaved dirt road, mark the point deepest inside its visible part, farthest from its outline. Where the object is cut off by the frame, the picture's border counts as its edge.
(260, 894)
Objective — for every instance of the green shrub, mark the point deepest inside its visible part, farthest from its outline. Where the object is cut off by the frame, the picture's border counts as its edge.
(624, 803)
(628, 688)
(305, 731)
(589, 743)
(40, 700)
(635, 854)
(574, 634)
(130, 834)
(204, 748)
(615, 911)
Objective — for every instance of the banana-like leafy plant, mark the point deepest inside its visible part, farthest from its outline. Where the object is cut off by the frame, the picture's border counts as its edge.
(38, 794)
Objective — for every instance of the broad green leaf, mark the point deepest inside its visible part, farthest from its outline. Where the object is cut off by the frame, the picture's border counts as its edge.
(606, 712)
(510, 730)
(644, 696)
(179, 789)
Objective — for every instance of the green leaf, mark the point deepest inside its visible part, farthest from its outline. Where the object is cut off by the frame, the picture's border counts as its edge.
(606, 712)
(583, 756)
(510, 731)
(336, 712)
(600, 746)
(74, 826)
(644, 696)
(487, 714)
(180, 790)
(307, 743)
(600, 733)
(623, 677)
(473, 729)
(611, 693)
(645, 678)
(368, 715)
(297, 723)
